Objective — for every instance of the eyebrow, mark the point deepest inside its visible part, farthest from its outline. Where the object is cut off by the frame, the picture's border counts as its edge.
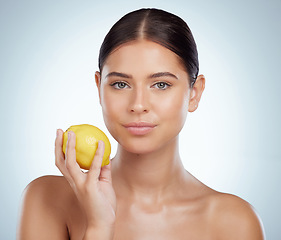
(162, 74)
(118, 74)
(154, 75)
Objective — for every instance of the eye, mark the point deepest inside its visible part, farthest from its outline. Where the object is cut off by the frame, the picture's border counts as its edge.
(162, 85)
(119, 85)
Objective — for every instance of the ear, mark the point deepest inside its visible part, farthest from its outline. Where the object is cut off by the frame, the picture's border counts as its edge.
(98, 83)
(196, 92)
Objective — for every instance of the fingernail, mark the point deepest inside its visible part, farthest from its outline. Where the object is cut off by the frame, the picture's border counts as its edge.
(69, 135)
(57, 132)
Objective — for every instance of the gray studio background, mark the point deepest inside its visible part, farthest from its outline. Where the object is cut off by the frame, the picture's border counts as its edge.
(48, 57)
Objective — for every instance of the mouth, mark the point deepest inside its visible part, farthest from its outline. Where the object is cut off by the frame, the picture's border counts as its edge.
(139, 128)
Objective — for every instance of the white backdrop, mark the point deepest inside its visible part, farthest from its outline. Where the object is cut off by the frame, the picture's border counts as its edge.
(48, 58)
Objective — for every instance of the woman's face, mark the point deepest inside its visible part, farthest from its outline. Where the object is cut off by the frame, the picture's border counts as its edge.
(143, 81)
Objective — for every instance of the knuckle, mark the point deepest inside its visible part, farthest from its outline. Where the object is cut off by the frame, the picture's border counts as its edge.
(68, 166)
(99, 153)
(95, 166)
(56, 163)
(88, 188)
(56, 140)
(68, 144)
(104, 179)
(69, 150)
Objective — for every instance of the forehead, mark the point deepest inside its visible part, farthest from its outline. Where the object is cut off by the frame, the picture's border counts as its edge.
(143, 56)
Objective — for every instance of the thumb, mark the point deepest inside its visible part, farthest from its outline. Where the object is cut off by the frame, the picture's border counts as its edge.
(105, 174)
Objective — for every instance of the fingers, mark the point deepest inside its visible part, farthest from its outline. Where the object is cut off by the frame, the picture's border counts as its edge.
(70, 159)
(68, 166)
(59, 155)
(95, 169)
(105, 174)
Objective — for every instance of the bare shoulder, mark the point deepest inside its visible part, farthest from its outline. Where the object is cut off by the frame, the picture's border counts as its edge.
(235, 218)
(47, 185)
(45, 180)
(49, 189)
(42, 212)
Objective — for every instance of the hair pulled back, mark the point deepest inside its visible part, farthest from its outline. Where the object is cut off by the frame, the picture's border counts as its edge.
(158, 26)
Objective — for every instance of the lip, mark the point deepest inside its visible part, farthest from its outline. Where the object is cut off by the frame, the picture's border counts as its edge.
(139, 128)
(140, 124)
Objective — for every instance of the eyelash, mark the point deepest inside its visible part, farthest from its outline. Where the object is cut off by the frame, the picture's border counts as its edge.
(117, 82)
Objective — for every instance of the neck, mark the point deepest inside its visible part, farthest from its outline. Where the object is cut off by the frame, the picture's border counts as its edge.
(152, 177)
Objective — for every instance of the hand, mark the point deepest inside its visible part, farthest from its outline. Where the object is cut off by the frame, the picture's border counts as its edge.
(93, 188)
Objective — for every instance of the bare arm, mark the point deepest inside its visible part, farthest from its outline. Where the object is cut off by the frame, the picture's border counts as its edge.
(93, 189)
(42, 215)
(39, 216)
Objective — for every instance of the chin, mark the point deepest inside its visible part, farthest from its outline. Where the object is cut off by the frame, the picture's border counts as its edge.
(141, 146)
(140, 151)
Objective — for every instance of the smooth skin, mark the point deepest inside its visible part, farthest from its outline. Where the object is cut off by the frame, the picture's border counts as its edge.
(145, 192)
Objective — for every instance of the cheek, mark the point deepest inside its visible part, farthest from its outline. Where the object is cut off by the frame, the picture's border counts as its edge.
(112, 106)
(108, 104)
(174, 107)
(173, 116)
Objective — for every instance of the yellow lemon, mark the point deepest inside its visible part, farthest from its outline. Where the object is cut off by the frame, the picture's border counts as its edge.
(87, 137)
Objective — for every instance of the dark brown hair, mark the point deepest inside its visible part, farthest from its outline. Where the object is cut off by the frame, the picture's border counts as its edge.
(158, 26)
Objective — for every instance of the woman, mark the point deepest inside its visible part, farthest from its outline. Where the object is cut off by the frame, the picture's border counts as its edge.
(147, 82)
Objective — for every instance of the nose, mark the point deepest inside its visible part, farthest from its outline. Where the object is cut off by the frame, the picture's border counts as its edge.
(139, 102)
